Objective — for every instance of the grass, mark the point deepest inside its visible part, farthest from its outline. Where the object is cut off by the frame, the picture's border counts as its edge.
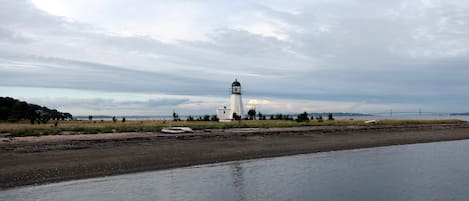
(24, 128)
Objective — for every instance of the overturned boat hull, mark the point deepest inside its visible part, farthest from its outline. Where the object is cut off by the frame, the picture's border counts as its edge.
(176, 130)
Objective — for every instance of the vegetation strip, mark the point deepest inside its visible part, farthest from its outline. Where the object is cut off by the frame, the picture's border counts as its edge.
(93, 127)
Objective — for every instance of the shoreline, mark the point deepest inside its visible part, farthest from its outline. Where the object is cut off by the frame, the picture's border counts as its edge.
(46, 159)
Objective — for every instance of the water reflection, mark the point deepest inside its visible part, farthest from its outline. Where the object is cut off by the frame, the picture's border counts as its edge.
(433, 171)
(237, 175)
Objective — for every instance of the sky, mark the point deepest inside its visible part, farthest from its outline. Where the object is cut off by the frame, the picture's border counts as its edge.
(148, 57)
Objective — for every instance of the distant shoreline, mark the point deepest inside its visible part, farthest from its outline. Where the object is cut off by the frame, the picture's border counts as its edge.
(36, 160)
(340, 115)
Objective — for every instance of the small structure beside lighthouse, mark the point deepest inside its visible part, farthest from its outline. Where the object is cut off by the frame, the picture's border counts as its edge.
(236, 104)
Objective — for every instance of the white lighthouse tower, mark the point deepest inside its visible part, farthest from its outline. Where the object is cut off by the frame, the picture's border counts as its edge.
(225, 114)
(236, 102)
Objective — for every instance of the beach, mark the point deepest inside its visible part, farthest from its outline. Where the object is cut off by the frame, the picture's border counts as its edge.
(44, 159)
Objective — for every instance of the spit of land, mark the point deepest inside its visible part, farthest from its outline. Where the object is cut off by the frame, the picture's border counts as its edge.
(51, 158)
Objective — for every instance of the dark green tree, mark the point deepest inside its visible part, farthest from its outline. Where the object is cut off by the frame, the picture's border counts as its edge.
(67, 116)
(190, 118)
(15, 110)
(303, 117)
(45, 119)
(175, 116)
(236, 116)
(330, 117)
(252, 113)
(279, 116)
(260, 116)
(320, 118)
(214, 118)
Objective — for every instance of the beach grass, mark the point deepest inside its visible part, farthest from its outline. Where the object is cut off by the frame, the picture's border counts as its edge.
(24, 128)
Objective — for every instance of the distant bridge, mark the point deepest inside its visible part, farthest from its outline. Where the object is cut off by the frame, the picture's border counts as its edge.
(407, 113)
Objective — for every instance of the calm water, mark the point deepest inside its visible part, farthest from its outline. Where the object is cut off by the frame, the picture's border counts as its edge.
(433, 171)
(381, 116)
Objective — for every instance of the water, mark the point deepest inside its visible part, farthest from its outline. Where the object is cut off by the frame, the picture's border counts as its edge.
(432, 171)
(423, 116)
(415, 116)
(378, 116)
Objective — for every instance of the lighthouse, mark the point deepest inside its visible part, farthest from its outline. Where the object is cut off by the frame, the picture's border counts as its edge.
(225, 113)
(236, 102)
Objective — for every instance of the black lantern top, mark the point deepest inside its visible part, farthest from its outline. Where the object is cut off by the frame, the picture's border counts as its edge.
(236, 83)
(236, 87)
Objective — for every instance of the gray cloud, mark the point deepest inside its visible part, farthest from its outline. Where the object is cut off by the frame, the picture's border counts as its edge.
(106, 104)
(65, 73)
(375, 52)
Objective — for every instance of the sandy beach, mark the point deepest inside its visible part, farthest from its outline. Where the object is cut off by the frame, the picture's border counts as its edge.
(36, 160)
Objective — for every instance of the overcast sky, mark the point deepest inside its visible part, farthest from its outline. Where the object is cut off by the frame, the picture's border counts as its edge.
(147, 57)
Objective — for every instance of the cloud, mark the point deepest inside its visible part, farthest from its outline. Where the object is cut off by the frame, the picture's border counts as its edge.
(258, 102)
(293, 106)
(107, 106)
(395, 53)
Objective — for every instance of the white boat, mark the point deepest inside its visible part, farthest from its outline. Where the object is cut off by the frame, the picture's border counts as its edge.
(373, 121)
(176, 130)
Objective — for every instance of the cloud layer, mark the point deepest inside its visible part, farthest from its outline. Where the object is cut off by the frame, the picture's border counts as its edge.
(375, 54)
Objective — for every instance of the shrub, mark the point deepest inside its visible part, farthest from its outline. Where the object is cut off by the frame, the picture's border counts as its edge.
(302, 117)
(330, 117)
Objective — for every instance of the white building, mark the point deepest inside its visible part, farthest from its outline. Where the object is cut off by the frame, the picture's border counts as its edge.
(236, 104)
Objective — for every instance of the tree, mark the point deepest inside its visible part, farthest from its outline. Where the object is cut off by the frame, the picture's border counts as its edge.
(320, 118)
(123, 119)
(260, 116)
(90, 118)
(67, 116)
(206, 117)
(214, 118)
(236, 116)
(45, 119)
(15, 110)
(303, 117)
(190, 118)
(330, 117)
(114, 119)
(279, 116)
(175, 116)
(252, 113)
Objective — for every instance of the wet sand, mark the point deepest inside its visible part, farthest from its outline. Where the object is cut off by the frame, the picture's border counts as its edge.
(36, 160)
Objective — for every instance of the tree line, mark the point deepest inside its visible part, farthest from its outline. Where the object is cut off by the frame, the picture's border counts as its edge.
(14, 110)
(300, 117)
(253, 115)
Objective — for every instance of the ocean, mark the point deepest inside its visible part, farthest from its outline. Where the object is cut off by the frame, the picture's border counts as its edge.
(418, 172)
